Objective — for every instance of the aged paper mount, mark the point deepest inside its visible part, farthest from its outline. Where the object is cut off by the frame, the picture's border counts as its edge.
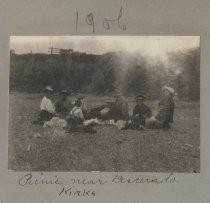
(124, 18)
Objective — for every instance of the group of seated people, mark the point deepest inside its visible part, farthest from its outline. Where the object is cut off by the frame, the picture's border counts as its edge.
(77, 114)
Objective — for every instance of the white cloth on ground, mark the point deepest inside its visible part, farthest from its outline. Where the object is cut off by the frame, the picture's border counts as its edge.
(152, 118)
(120, 124)
(55, 122)
(90, 121)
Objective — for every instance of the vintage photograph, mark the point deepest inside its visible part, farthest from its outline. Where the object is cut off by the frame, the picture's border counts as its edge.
(104, 103)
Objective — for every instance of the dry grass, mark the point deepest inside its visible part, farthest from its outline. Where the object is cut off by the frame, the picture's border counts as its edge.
(107, 150)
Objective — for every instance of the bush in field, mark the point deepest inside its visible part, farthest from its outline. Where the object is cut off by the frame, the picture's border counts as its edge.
(187, 81)
(136, 80)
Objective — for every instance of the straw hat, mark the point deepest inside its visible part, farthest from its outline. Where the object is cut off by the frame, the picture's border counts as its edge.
(49, 88)
(65, 92)
(170, 89)
(140, 96)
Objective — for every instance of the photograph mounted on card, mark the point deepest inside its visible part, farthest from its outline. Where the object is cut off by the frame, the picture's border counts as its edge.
(104, 103)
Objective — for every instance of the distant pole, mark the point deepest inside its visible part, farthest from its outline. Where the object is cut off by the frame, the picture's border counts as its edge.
(51, 50)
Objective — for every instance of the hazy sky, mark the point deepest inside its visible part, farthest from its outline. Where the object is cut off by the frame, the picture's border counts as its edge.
(154, 46)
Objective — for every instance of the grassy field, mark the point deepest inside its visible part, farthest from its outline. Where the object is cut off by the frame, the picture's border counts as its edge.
(110, 149)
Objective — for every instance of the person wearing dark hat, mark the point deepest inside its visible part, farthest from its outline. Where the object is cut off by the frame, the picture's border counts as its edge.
(47, 106)
(140, 113)
(63, 104)
(166, 112)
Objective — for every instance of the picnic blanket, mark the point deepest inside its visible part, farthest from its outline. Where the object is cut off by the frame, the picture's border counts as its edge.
(55, 122)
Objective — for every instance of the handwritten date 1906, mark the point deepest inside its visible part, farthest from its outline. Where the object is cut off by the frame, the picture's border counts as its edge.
(107, 22)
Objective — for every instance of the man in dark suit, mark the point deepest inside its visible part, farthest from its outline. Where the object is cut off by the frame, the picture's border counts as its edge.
(119, 109)
(63, 104)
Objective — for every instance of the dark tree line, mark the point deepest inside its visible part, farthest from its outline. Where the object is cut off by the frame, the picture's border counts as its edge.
(187, 82)
(104, 74)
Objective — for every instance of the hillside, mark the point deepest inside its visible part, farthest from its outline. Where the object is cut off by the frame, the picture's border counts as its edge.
(104, 74)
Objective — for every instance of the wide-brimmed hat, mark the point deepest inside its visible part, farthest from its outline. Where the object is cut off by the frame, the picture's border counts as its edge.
(48, 88)
(170, 89)
(140, 96)
(64, 92)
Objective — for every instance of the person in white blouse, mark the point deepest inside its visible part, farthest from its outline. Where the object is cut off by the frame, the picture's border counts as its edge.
(47, 106)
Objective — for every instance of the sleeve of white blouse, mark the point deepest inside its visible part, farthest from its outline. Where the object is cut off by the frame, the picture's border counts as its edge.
(42, 104)
(49, 106)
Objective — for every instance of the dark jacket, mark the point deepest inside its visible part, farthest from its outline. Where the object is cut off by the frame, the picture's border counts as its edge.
(63, 107)
(119, 110)
(166, 112)
(140, 113)
(142, 110)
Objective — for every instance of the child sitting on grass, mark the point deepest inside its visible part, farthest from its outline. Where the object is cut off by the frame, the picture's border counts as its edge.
(77, 122)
